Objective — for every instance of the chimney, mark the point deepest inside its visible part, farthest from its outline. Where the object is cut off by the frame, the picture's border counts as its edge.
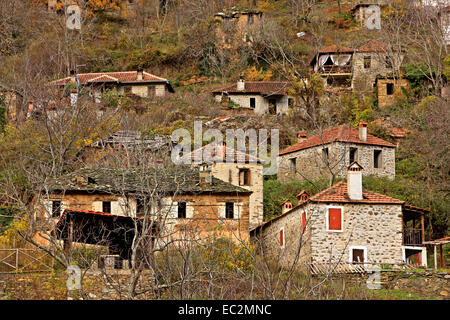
(73, 76)
(140, 74)
(240, 84)
(301, 136)
(302, 196)
(354, 181)
(363, 131)
(205, 175)
(286, 206)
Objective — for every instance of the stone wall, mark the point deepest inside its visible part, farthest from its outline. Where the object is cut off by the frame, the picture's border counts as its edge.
(385, 100)
(261, 103)
(377, 228)
(230, 172)
(364, 78)
(310, 163)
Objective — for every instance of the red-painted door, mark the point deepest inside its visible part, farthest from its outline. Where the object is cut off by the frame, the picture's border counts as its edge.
(334, 219)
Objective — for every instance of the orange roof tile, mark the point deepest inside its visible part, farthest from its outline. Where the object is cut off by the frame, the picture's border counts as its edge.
(338, 193)
(336, 49)
(342, 133)
(125, 76)
(373, 46)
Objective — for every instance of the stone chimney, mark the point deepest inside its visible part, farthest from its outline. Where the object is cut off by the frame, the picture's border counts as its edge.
(205, 175)
(140, 74)
(240, 84)
(301, 136)
(286, 206)
(354, 181)
(363, 131)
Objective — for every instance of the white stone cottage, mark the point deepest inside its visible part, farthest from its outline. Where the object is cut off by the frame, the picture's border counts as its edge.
(344, 224)
(260, 96)
(243, 170)
(140, 83)
(331, 151)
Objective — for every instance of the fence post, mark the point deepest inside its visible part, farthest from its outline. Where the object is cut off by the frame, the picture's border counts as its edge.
(17, 260)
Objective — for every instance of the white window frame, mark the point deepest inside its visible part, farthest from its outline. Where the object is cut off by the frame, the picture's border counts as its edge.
(284, 238)
(350, 255)
(423, 250)
(328, 218)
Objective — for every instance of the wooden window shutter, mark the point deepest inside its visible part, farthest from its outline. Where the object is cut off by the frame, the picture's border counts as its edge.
(334, 219)
(303, 221)
(281, 237)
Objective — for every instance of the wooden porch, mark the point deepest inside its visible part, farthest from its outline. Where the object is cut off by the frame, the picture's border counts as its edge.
(413, 225)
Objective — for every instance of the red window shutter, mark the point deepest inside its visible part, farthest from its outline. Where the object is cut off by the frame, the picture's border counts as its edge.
(334, 219)
(281, 237)
(303, 221)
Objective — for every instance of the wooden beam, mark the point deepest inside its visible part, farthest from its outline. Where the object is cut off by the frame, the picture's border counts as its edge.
(441, 258)
(422, 225)
(435, 257)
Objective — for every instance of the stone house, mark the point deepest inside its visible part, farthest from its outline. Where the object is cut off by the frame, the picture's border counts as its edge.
(140, 83)
(388, 89)
(185, 203)
(239, 169)
(331, 151)
(345, 224)
(260, 96)
(236, 27)
(371, 60)
(334, 65)
(362, 12)
(130, 148)
(13, 104)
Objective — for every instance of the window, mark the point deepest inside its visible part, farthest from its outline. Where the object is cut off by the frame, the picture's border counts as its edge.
(282, 242)
(244, 177)
(334, 219)
(151, 91)
(181, 210)
(353, 155)
(358, 254)
(252, 103)
(140, 207)
(127, 90)
(367, 61)
(106, 206)
(56, 209)
(377, 159)
(293, 164)
(388, 62)
(325, 154)
(290, 102)
(389, 89)
(229, 210)
(272, 106)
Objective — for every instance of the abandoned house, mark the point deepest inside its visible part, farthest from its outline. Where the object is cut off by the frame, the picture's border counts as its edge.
(334, 65)
(129, 148)
(388, 89)
(366, 14)
(331, 151)
(259, 96)
(140, 83)
(186, 203)
(345, 224)
(236, 27)
(239, 169)
(12, 100)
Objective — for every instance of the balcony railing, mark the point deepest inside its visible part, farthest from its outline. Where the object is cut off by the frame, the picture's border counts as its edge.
(332, 69)
(412, 236)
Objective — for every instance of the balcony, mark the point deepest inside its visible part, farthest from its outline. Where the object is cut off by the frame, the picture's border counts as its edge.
(412, 237)
(336, 70)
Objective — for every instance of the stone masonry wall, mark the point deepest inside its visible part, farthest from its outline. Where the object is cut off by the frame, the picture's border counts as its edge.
(311, 165)
(376, 227)
(261, 103)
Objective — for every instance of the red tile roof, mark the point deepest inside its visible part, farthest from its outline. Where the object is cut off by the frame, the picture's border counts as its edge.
(338, 193)
(395, 132)
(265, 88)
(336, 49)
(342, 133)
(124, 77)
(373, 46)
